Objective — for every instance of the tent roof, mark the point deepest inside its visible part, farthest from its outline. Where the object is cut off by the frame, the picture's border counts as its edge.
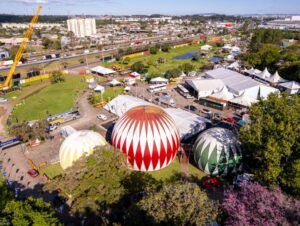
(186, 122)
(224, 94)
(276, 78)
(102, 70)
(123, 103)
(114, 82)
(235, 81)
(291, 85)
(244, 100)
(159, 79)
(99, 88)
(206, 84)
(265, 74)
(264, 91)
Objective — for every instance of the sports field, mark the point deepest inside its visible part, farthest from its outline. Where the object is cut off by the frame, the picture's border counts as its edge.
(49, 100)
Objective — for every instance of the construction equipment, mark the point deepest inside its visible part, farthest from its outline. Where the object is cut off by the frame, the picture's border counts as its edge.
(8, 82)
(35, 167)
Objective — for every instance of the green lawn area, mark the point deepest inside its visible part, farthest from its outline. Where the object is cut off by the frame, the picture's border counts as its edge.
(112, 92)
(52, 170)
(157, 68)
(51, 99)
(175, 169)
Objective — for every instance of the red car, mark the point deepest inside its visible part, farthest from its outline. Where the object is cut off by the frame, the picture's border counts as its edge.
(210, 183)
(33, 173)
(230, 120)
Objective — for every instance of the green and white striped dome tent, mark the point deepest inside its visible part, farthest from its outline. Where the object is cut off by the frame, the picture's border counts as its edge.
(217, 152)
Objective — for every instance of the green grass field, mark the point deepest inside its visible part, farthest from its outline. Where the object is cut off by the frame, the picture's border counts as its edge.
(52, 170)
(112, 92)
(157, 68)
(174, 170)
(48, 100)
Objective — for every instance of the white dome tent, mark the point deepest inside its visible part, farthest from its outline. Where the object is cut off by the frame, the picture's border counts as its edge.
(78, 144)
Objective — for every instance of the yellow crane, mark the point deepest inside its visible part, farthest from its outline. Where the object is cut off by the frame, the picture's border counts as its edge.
(8, 82)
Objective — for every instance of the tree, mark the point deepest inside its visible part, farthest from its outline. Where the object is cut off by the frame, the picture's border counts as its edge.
(139, 67)
(173, 73)
(290, 70)
(47, 43)
(165, 48)
(272, 144)
(187, 67)
(179, 203)
(253, 204)
(57, 77)
(28, 212)
(93, 182)
(129, 50)
(153, 50)
(28, 132)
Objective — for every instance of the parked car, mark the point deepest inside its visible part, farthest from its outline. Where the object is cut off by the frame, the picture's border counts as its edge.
(33, 173)
(230, 120)
(102, 117)
(206, 111)
(190, 107)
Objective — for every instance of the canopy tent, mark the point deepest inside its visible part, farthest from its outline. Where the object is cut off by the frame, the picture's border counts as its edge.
(102, 70)
(264, 75)
(205, 87)
(253, 71)
(114, 82)
(264, 91)
(243, 100)
(235, 65)
(99, 89)
(123, 103)
(224, 94)
(188, 123)
(274, 79)
(159, 80)
(291, 87)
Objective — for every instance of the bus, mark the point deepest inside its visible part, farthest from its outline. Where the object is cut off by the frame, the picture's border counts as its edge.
(184, 92)
(60, 118)
(157, 88)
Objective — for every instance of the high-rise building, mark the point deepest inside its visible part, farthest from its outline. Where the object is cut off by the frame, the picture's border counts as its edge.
(82, 27)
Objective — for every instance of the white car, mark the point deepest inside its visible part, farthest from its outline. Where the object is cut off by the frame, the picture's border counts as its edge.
(2, 100)
(102, 117)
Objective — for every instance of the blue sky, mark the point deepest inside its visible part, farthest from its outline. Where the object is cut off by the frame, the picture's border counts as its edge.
(174, 7)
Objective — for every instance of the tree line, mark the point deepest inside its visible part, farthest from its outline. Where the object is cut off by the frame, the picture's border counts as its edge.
(6, 18)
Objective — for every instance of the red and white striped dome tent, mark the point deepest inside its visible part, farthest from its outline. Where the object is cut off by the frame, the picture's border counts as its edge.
(148, 136)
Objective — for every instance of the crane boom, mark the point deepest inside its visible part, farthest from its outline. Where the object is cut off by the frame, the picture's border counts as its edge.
(7, 84)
